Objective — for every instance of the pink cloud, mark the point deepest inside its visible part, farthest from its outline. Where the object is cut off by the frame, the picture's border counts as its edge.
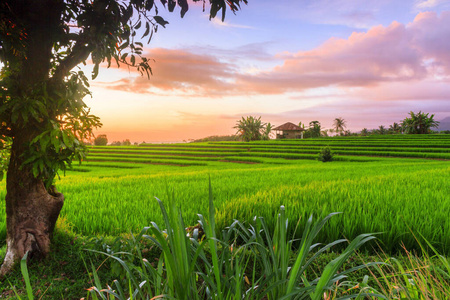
(396, 53)
(178, 70)
(431, 33)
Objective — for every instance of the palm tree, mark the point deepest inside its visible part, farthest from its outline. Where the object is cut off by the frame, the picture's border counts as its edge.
(364, 132)
(419, 123)
(381, 130)
(267, 131)
(339, 125)
(251, 128)
(314, 128)
(395, 128)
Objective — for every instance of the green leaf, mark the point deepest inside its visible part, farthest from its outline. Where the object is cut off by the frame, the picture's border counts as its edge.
(147, 30)
(160, 21)
(54, 140)
(184, 7)
(68, 141)
(124, 45)
(95, 71)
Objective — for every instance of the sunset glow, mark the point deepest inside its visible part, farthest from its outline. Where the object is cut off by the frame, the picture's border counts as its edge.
(295, 61)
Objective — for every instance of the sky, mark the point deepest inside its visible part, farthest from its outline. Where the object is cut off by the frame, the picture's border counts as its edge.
(369, 62)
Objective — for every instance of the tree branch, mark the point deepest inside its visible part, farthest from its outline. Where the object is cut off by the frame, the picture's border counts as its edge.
(79, 54)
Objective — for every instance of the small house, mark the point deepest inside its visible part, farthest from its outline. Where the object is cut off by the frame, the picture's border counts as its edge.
(289, 131)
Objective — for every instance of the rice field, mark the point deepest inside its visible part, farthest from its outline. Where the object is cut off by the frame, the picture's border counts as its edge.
(386, 184)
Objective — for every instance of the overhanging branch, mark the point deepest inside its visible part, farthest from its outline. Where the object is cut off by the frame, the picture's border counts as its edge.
(79, 54)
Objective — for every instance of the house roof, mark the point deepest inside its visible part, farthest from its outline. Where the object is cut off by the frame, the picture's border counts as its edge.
(288, 126)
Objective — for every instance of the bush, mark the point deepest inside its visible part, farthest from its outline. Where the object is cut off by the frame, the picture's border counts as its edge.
(101, 140)
(116, 143)
(325, 154)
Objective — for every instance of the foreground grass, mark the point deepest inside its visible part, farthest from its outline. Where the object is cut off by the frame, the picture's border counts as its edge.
(67, 273)
(238, 263)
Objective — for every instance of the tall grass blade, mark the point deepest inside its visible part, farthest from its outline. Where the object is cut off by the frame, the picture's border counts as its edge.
(26, 276)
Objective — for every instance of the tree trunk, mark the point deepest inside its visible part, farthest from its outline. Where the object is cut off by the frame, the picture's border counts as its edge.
(31, 212)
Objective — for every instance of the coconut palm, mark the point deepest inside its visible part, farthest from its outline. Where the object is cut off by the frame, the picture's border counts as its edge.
(339, 125)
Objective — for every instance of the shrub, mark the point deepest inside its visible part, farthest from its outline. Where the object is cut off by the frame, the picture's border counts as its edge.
(116, 143)
(101, 140)
(325, 154)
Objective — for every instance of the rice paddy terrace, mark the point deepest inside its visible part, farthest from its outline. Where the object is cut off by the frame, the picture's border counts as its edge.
(434, 147)
(387, 184)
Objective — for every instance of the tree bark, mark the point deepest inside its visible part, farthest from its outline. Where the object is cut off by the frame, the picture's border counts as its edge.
(31, 212)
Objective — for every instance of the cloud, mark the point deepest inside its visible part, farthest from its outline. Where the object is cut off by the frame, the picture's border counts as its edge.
(407, 91)
(406, 54)
(430, 35)
(343, 12)
(426, 4)
(218, 22)
(178, 70)
(396, 53)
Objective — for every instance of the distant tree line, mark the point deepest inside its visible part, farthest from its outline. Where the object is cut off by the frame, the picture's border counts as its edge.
(102, 140)
(416, 123)
(216, 138)
(315, 128)
(253, 129)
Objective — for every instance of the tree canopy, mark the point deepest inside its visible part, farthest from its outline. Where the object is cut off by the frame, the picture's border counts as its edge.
(339, 124)
(101, 140)
(41, 93)
(41, 42)
(314, 129)
(252, 129)
(419, 123)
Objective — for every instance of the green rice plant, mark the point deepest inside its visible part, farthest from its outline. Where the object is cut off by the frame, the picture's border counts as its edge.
(376, 193)
(225, 266)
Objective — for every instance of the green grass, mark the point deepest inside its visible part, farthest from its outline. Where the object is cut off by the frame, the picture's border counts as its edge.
(264, 264)
(113, 192)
